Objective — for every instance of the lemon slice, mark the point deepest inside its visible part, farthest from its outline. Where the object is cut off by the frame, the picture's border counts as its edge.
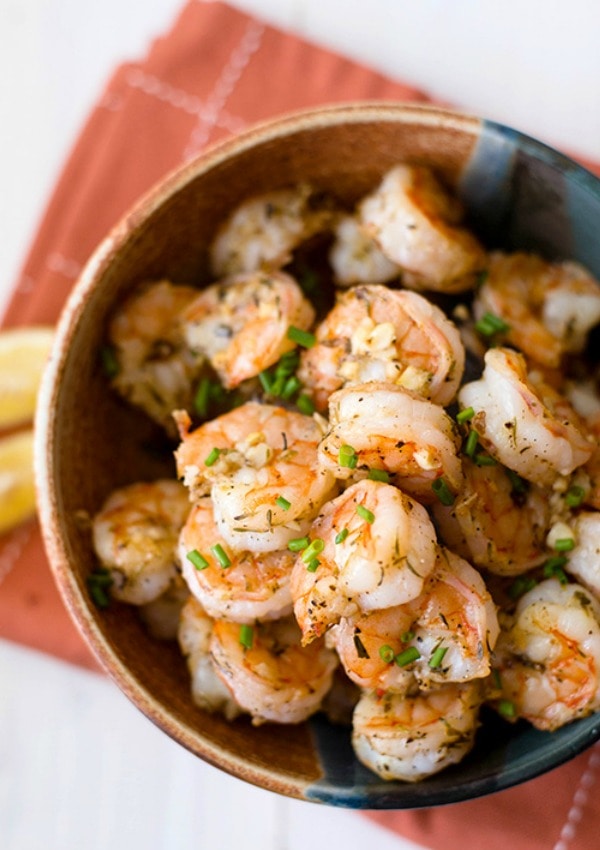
(23, 354)
(17, 490)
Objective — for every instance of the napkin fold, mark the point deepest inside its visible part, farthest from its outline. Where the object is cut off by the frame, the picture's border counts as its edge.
(215, 72)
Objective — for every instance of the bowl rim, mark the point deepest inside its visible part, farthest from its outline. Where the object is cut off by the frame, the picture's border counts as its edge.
(48, 497)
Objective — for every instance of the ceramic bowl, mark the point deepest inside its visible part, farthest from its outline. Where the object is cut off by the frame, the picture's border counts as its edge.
(519, 194)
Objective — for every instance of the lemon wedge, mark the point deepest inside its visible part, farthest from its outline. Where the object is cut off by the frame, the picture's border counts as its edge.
(23, 354)
(17, 490)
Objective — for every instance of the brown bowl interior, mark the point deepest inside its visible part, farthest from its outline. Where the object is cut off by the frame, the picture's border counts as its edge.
(90, 443)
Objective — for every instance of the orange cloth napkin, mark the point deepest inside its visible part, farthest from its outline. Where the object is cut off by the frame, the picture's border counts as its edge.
(215, 72)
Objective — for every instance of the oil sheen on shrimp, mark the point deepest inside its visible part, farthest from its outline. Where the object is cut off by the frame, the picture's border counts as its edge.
(270, 675)
(378, 548)
(252, 586)
(241, 323)
(135, 537)
(262, 232)
(392, 429)
(451, 629)
(388, 335)
(194, 635)
(497, 521)
(265, 481)
(411, 737)
(549, 307)
(157, 371)
(417, 226)
(549, 659)
(528, 428)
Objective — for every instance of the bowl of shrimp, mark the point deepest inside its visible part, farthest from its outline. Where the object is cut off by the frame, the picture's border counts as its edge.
(317, 456)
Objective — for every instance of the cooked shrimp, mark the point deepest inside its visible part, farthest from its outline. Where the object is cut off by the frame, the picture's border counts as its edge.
(156, 370)
(416, 225)
(549, 307)
(385, 427)
(377, 547)
(497, 521)
(584, 559)
(240, 586)
(549, 659)
(194, 635)
(411, 737)
(269, 673)
(262, 232)
(135, 535)
(388, 335)
(241, 323)
(591, 469)
(449, 631)
(161, 616)
(356, 258)
(263, 471)
(528, 428)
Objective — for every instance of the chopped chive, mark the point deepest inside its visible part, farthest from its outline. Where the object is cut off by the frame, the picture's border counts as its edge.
(443, 492)
(471, 443)
(379, 475)
(407, 656)
(98, 582)
(266, 381)
(437, 656)
(99, 596)
(496, 677)
(365, 513)
(281, 502)
(313, 565)
(406, 636)
(221, 555)
(565, 544)
(481, 459)
(202, 397)
(305, 404)
(197, 559)
(339, 538)
(465, 415)
(574, 496)
(246, 636)
(110, 363)
(520, 586)
(347, 457)
(292, 385)
(298, 544)
(507, 708)
(386, 653)
(490, 324)
(303, 338)
(213, 456)
(312, 550)
(556, 562)
(518, 484)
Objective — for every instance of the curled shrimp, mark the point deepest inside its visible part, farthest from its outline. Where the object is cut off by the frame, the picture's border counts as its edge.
(388, 335)
(498, 521)
(528, 427)
(242, 586)
(584, 559)
(549, 307)
(155, 369)
(135, 536)
(549, 658)
(389, 428)
(270, 675)
(378, 546)
(446, 634)
(411, 737)
(356, 258)
(241, 323)
(262, 472)
(161, 616)
(262, 232)
(416, 225)
(194, 635)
